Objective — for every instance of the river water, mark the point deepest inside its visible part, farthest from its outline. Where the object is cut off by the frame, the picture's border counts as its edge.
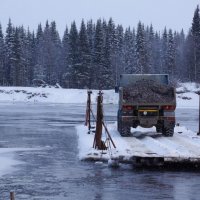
(53, 171)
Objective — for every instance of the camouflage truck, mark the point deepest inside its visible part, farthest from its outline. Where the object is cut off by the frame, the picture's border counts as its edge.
(146, 100)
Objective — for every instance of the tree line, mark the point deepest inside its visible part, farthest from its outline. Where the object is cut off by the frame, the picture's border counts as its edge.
(94, 55)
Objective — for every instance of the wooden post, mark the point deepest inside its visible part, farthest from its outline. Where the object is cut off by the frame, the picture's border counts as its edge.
(12, 196)
(97, 139)
(198, 92)
(98, 143)
(88, 111)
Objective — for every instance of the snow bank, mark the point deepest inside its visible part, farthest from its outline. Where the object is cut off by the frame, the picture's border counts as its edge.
(187, 100)
(188, 87)
(186, 96)
(85, 144)
(51, 95)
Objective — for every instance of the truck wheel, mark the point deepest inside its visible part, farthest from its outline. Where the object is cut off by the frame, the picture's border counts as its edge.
(125, 131)
(159, 129)
(119, 126)
(168, 131)
(119, 122)
(135, 124)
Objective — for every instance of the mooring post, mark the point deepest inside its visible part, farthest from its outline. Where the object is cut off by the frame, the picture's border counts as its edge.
(98, 143)
(97, 139)
(88, 111)
(12, 196)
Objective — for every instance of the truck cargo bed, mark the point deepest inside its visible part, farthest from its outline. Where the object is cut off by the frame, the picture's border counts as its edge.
(148, 91)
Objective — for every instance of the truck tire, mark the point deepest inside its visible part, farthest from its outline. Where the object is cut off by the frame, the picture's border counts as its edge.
(119, 125)
(119, 122)
(125, 131)
(159, 128)
(168, 131)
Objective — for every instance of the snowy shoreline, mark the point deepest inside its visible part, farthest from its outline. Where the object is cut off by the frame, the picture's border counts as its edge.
(186, 96)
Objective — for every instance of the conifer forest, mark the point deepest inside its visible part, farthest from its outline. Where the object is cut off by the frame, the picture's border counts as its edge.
(96, 53)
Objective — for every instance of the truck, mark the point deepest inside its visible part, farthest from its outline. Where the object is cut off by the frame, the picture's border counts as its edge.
(146, 100)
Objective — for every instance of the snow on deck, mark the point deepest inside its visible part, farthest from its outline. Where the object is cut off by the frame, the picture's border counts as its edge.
(145, 143)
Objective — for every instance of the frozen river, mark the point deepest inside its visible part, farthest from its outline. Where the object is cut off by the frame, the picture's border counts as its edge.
(53, 171)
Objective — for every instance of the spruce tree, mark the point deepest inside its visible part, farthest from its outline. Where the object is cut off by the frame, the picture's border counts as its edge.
(24, 61)
(141, 51)
(171, 56)
(157, 54)
(9, 42)
(84, 70)
(16, 60)
(107, 79)
(111, 48)
(30, 57)
(47, 54)
(90, 36)
(98, 56)
(65, 57)
(129, 52)
(119, 52)
(56, 51)
(39, 70)
(73, 56)
(180, 60)
(164, 47)
(150, 48)
(196, 43)
(2, 58)
(189, 57)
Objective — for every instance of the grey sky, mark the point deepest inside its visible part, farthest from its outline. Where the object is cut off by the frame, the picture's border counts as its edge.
(175, 14)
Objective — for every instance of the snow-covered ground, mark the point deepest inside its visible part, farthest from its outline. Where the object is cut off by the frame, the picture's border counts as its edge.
(186, 96)
(52, 95)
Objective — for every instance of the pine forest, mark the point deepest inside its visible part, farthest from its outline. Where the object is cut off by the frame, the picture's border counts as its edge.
(94, 55)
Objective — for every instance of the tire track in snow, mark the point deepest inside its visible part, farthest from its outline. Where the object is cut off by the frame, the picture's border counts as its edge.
(160, 147)
(138, 148)
(188, 144)
(175, 144)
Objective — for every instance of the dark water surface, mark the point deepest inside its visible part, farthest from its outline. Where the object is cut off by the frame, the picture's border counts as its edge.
(54, 171)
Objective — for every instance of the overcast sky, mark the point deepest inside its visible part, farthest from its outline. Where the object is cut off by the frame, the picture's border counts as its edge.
(175, 14)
